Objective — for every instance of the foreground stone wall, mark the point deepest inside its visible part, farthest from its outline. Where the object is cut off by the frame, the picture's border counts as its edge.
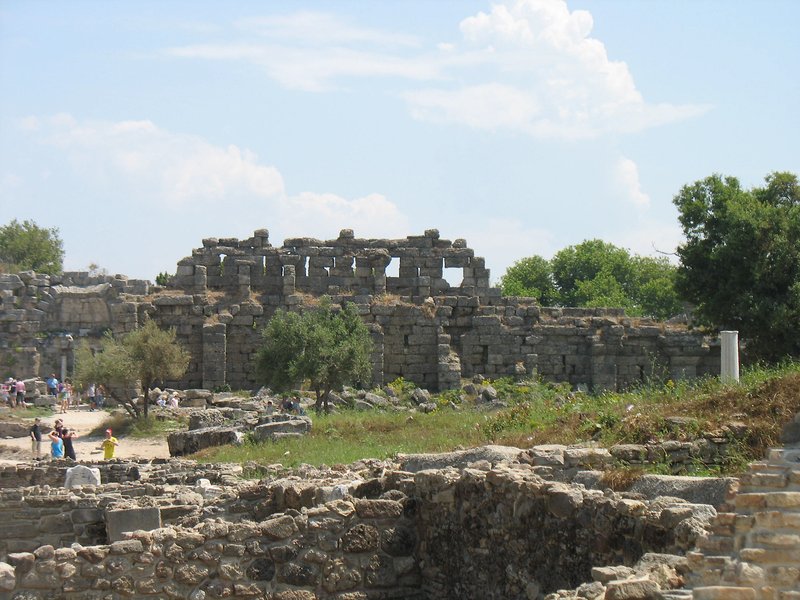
(353, 547)
(423, 328)
(480, 532)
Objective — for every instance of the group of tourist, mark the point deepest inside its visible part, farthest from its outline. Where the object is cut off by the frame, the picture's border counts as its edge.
(12, 393)
(61, 441)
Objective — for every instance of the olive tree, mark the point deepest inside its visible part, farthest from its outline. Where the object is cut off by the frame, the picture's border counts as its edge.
(143, 357)
(328, 346)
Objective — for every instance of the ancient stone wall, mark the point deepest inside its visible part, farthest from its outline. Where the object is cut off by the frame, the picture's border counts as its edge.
(424, 329)
(483, 532)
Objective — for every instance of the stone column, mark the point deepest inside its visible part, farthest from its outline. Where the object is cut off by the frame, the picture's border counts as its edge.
(729, 369)
(214, 355)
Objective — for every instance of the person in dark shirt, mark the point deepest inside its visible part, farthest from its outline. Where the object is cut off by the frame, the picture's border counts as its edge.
(36, 438)
(67, 435)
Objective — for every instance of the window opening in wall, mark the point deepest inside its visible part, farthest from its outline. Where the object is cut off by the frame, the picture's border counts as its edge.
(564, 363)
(641, 372)
(263, 265)
(405, 340)
(222, 258)
(454, 276)
(485, 354)
(393, 268)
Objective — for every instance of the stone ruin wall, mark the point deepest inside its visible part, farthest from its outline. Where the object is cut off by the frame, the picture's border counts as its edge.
(423, 329)
(392, 535)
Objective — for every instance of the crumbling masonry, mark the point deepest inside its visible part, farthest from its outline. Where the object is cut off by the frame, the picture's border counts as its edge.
(424, 329)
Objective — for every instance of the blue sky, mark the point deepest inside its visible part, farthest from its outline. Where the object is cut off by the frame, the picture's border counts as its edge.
(139, 128)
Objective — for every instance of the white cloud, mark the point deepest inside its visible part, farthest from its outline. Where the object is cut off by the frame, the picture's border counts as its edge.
(313, 69)
(170, 168)
(324, 215)
(540, 51)
(503, 241)
(491, 106)
(152, 168)
(626, 177)
(320, 29)
(526, 65)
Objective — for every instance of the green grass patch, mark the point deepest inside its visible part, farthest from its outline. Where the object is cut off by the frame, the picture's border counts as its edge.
(765, 400)
(349, 436)
(151, 427)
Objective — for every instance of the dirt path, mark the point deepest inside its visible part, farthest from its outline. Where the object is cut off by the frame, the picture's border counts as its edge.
(86, 448)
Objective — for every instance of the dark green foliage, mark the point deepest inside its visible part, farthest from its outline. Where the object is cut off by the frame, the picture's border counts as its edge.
(599, 274)
(162, 278)
(26, 246)
(531, 277)
(328, 345)
(740, 264)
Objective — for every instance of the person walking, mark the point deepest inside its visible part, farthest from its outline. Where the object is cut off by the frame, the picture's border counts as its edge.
(109, 445)
(36, 438)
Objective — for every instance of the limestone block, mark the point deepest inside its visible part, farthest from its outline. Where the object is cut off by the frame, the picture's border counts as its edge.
(299, 425)
(131, 519)
(81, 475)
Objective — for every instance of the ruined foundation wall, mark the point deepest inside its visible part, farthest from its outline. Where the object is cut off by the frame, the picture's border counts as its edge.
(424, 329)
(486, 532)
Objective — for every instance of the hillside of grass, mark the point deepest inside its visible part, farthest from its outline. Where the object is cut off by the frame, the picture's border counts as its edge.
(540, 413)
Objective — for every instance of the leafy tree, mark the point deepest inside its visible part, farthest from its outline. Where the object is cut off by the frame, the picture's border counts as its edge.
(531, 277)
(596, 273)
(740, 263)
(26, 246)
(585, 262)
(329, 346)
(156, 355)
(146, 355)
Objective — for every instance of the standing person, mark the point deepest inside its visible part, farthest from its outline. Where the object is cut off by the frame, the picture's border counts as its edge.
(63, 396)
(74, 396)
(270, 410)
(109, 445)
(20, 387)
(99, 396)
(36, 438)
(5, 392)
(90, 397)
(52, 384)
(56, 445)
(67, 436)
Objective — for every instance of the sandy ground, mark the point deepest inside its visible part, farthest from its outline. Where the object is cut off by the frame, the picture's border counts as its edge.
(17, 450)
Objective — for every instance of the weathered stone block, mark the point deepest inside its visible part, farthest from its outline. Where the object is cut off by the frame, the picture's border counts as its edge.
(121, 521)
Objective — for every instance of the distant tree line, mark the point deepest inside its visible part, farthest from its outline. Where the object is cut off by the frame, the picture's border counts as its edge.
(739, 266)
(597, 274)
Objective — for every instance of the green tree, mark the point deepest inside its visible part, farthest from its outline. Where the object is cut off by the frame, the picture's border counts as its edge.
(595, 273)
(144, 356)
(26, 246)
(531, 277)
(327, 345)
(156, 355)
(740, 263)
